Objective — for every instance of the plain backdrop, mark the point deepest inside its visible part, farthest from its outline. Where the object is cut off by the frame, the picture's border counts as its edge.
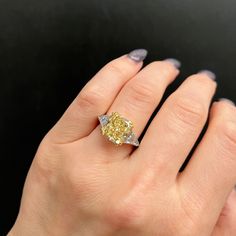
(49, 49)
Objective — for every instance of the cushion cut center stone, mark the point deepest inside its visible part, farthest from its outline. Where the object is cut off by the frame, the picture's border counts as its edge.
(117, 129)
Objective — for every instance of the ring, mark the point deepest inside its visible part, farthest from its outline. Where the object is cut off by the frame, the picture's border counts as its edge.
(118, 129)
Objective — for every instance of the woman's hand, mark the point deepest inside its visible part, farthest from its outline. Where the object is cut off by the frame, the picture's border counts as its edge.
(82, 184)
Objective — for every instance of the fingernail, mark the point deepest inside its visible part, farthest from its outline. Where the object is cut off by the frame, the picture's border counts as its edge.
(209, 73)
(227, 100)
(176, 63)
(138, 54)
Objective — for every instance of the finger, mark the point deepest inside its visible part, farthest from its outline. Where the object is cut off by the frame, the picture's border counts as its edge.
(96, 97)
(139, 98)
(177, 125)
(226, 223)
(211, 173)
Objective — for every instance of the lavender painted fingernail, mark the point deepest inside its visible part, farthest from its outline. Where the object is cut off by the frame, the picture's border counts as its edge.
(138, 54)
(209, 73)
(176, 63)
(227, 100)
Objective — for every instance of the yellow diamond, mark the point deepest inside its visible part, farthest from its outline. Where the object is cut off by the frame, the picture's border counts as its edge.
(117, 128)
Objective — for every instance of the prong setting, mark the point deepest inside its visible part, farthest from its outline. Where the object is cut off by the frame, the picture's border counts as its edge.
(118, 129)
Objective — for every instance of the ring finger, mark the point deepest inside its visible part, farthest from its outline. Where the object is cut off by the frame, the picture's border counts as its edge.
(139, 98)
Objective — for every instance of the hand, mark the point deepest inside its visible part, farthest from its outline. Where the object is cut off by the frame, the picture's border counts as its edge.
(82, 184)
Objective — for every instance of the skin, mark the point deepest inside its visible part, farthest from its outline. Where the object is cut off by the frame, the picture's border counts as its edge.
(79, 183)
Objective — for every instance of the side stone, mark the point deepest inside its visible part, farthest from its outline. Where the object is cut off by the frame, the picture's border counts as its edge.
(103, 119)
(131, 139)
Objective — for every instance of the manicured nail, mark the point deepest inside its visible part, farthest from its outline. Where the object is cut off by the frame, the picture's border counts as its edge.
(138, 54)
(209, 73)
(176, 63)
(227, 100)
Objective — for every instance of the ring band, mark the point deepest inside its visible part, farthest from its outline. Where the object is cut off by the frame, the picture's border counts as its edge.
(118, 129)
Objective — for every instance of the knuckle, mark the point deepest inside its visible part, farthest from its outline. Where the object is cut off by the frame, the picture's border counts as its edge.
(189, 111)
(89, 99)
(77, 183)
(125, 216)
(42, 166)
(227, 136)
(114, 68)
(141, 93)
(74, 181)
(45, 163)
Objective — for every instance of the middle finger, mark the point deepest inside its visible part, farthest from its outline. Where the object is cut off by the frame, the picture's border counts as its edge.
(176, 127)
